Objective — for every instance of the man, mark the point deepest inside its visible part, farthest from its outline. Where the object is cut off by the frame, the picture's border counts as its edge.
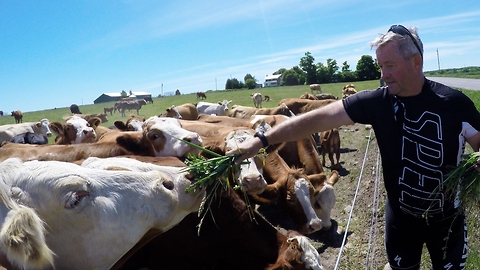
(421, 127)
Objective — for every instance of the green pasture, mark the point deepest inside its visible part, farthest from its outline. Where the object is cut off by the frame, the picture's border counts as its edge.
(240, 97)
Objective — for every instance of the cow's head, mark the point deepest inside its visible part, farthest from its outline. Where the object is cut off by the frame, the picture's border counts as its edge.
(166, 134)
(133, 123)
(250, 176)
(112, 209)
(43, 125)
(324, 196)
(76, 130)
(224, 104)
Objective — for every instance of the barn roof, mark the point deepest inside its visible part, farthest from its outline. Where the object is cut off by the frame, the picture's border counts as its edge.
(273, 76)
(119, 94)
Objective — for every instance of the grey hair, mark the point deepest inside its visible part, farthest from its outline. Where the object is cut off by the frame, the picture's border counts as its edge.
(405, 45)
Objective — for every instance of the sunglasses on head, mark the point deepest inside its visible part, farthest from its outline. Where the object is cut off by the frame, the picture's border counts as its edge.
(401, 30)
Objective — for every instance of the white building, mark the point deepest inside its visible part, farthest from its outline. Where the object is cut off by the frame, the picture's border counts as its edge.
(272, 80)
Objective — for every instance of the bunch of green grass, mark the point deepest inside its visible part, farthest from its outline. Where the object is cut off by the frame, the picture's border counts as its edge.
(215, 172)
(464, 181)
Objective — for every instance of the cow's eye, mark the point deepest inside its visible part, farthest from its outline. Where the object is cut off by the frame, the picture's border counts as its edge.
(76, 198)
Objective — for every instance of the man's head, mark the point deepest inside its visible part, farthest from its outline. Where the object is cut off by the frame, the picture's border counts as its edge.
(400, 57)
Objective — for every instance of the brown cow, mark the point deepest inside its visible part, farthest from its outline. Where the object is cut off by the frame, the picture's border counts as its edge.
(325, 96)
(330, 144)
(18, 116)
(201, 95)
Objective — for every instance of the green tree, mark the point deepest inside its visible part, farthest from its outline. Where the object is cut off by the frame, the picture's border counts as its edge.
(290, 77)
(250, 83)
(346, 75)
(123, 94)
(280, 71)
(332, 69)
(248, 76)
(233, 84)
(300, 74)
(367, 69)
(308, 66)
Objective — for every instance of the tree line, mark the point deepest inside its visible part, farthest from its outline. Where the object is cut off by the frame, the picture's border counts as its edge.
(309, 72)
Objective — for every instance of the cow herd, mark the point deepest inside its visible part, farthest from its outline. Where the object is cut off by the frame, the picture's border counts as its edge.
(115, 198)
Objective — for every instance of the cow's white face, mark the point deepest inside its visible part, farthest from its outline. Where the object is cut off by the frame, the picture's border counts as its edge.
(250, 177)
(94, 216)
(45, 128)
(84, 132)
(303, 191)
(135, 125)
(165, 133)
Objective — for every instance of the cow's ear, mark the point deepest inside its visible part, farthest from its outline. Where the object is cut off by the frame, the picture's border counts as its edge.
(120, 125)
(94, 122)
(220, 103)
(38, 124)
(57, 128)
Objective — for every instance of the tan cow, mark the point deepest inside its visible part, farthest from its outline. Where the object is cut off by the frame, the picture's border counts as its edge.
(348, 90)
(315, 88)
(187, 111)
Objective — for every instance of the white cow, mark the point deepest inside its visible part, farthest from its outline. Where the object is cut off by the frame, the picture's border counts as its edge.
(220, 108)
(257, 100)
(9, 131)
(92, 217)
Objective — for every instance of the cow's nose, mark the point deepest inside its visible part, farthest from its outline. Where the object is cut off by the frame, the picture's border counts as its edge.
(49, 134)
(314, 225)
(253, 183)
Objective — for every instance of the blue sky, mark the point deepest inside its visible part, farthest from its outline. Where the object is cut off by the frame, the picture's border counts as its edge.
(55, 53)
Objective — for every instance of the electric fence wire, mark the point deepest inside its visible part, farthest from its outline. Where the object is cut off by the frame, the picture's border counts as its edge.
(353, 202)
(372, 236)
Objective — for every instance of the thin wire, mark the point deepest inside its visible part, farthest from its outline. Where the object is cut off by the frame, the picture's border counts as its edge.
(373, 228)
(353, 203)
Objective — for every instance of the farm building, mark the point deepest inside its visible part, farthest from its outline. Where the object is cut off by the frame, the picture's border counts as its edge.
(108, 97)
(272, 80)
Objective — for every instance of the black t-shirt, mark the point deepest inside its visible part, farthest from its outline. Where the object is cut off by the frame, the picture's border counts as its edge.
(420, 139)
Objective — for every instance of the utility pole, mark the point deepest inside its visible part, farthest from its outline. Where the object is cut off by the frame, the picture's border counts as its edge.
(438, 60)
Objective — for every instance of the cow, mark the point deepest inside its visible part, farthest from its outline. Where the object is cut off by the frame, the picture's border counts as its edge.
(177, 92)
(113, 210)
(18, 115)
(133, 123)
(157, 139)
(348, 90)
(221, 237)
(257, 100)
(282, 109)
(29, 138)
(330, 145)
(201, 95)
(266, 98)
(1, 113)
(149, 99)
(325, 96)
(315, 88)
(74, 109)
(299, 106)
(108, 110)
(75, 130)
(130, 105)
(219, 108)
(172, 111)
(9, 131)
(187, 111)
(246, 112)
